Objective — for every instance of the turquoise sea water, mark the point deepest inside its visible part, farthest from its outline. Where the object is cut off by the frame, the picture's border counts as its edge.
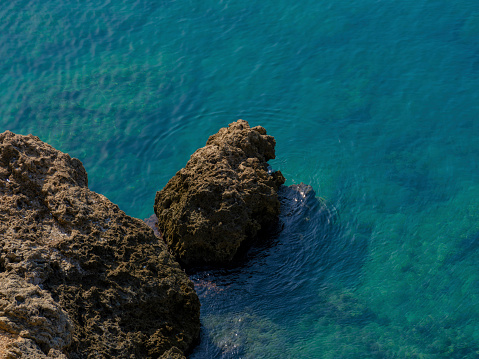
(375, 103)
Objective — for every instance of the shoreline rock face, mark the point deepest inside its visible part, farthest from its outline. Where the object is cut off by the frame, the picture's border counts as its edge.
(224, 195)
(78, 277)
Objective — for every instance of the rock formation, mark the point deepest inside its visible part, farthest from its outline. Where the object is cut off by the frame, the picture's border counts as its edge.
(78, 277)
(223, 196)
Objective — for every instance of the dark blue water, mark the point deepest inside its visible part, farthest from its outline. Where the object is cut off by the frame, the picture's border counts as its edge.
(373, 103)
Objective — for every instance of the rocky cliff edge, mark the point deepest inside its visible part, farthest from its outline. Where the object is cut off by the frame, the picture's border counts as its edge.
(78, 277)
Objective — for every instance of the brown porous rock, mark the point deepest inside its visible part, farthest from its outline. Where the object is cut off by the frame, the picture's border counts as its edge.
(78, 277)
(224, 195)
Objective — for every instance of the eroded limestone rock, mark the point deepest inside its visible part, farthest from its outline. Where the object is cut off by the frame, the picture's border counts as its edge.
(30, 312)
(79, 276)
(222, 197)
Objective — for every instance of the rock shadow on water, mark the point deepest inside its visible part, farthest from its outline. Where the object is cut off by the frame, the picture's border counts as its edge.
(302, 215)
(306, 250)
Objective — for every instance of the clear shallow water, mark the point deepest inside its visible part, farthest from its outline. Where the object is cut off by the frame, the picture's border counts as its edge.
(373, 103)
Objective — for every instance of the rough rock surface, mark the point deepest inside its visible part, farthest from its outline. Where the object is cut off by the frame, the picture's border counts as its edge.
(223, 196)
(77, 275)
(30, 312)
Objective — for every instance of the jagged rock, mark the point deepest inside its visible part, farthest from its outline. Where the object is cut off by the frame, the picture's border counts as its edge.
(30, 312)
(223, 196)
(78, 276)
(27, 348)
(173, 353)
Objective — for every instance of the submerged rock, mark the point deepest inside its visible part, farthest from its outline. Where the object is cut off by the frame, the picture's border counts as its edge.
(77, 275)
(223, 196)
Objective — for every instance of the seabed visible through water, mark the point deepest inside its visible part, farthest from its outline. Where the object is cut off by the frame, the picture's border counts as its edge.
(372, 103)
